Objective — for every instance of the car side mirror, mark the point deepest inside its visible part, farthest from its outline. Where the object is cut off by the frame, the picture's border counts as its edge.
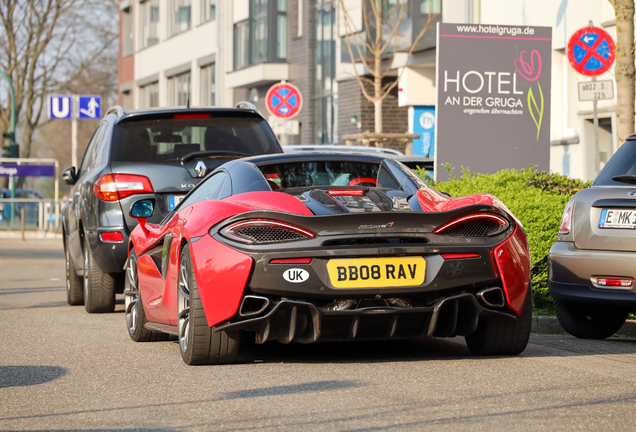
(69, 176)
(142, 210)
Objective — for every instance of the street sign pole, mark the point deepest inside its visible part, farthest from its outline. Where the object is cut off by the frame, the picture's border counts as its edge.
(74, 132)
(596, 143)
(12, 145)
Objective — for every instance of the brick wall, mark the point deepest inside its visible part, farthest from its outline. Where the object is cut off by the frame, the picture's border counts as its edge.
(351, 102)
(301, 71)
(126, 65)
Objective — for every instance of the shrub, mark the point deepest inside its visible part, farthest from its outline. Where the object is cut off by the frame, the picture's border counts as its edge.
(537, 199)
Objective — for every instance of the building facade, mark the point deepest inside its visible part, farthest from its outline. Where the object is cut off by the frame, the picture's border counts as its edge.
(220, 52)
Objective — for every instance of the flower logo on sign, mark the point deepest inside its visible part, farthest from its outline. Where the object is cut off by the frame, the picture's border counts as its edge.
(531, 71)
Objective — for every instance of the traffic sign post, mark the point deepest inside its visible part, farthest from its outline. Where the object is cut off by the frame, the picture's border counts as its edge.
(592, 52)
(596, 90)
(284, 101)
(83, 107)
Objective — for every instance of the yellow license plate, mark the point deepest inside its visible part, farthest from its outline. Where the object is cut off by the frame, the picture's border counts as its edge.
(376, 272)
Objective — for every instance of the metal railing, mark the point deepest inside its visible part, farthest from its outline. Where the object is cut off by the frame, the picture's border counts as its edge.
(40, 214)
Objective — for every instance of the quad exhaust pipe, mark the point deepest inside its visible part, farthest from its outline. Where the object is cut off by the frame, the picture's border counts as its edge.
(492, 297)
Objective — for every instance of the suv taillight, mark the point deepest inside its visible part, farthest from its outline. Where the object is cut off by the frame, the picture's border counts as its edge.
(113, 187)
(566, 219)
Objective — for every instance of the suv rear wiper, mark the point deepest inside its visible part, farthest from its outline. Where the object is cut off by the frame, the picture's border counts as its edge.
(194, 155)
(626, 178)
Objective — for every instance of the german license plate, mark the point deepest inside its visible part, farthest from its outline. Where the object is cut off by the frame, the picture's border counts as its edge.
(613, 218)
(376, 272)
(173, 200)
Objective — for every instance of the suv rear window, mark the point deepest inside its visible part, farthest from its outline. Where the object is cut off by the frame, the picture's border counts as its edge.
(623, 163)
(165, 139)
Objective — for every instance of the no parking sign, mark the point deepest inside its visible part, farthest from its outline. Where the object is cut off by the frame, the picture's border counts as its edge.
(591, 51)
(283, 100)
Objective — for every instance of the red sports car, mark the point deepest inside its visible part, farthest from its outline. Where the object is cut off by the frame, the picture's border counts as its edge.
(326, 247)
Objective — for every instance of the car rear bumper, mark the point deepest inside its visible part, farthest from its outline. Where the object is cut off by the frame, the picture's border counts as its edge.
(571, 271)
(301, 321)
(109, 256)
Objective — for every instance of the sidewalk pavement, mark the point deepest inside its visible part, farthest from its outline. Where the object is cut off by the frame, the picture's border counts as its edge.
(550, 325)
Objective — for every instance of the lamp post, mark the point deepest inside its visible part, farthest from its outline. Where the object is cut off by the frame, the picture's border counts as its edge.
(11, 135)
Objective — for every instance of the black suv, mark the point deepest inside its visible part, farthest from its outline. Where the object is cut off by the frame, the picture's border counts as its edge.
(160, 154)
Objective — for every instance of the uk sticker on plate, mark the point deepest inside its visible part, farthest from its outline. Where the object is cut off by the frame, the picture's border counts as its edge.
(614, 218)
(173, 200)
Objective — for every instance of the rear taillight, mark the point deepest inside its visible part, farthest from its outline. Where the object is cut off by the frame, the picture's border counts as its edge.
(191, 116)
(291, 261)
(340, 192)
(615, 282)
(474, 225)
(566, 219)
(111, 237)
(113, 187)
(261, 231)
(450, 256)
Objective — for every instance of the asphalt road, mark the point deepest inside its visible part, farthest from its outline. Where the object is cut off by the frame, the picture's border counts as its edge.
(62, 369)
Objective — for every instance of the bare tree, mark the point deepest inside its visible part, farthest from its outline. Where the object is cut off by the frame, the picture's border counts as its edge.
(46, 45)
(624, 10)
(376, 47)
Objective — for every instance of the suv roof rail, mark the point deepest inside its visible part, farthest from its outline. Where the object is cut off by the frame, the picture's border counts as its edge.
(117, 110)
(246, 105)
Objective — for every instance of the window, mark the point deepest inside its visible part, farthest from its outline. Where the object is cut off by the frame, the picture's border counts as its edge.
(179, 16)
(325, 84)
(126, 100)
(263, 37)
(208, 85)
(162, 139)
(179, 89)
(208, 10)
(281, 32)
(430, 6)
(127, 46)
(149, 95)
(148, 23)
(241, 36)
(259, 31)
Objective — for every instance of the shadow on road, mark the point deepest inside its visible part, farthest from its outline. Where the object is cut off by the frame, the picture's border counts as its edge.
(354, 352)
(312, 387)
(22, 376)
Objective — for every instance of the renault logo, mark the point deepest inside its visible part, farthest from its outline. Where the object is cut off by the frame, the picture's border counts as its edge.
(632, 193)
(200, 169)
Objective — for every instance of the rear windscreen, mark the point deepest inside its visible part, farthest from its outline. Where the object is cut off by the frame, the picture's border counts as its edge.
(623, 163)
(327, 173)
(164, 140)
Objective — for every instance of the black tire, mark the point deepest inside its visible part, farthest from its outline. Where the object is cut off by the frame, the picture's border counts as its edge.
(589, 320)
(200, 344)
(502, 336)
(99, 287)
(135, 315)
(74, 283)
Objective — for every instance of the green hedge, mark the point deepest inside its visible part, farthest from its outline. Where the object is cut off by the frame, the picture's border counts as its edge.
(537, 199)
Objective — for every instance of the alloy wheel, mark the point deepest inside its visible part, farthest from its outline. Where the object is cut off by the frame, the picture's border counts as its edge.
(131, 296)
(183, 302)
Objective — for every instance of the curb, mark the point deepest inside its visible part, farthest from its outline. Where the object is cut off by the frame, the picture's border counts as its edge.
(30, 234)
(550, 325)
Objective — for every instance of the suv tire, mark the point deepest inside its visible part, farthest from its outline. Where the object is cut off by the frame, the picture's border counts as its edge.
(99, 287)
(589, 320)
